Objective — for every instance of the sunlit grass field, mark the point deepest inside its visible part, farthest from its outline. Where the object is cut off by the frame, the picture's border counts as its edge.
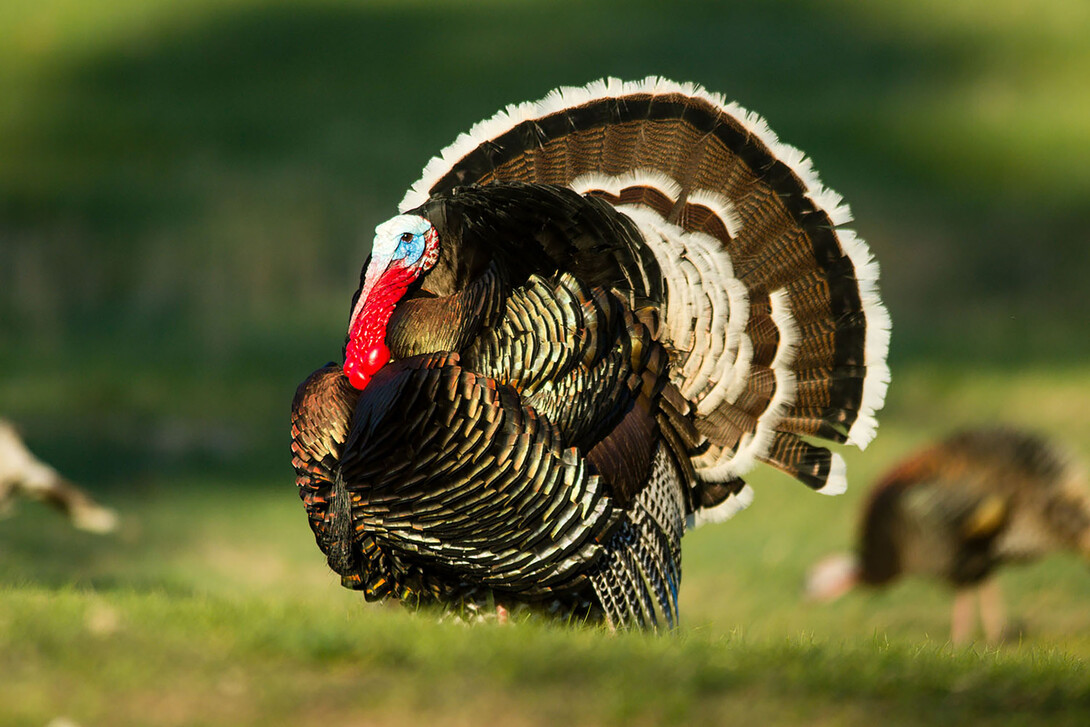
(186, 194)
(213, 606)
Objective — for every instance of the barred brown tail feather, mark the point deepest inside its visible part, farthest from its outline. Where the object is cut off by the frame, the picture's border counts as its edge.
(739, 207)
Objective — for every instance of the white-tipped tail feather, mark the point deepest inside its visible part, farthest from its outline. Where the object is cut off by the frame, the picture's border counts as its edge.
(837, 483)
(877, 345)
(723, 511)
(716, 278)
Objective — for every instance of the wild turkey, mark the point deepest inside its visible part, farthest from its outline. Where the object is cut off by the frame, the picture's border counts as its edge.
(593, 315)
(957, 510)
(21, 473)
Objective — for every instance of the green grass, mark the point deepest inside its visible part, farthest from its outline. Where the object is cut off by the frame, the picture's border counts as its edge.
(146, 658)
(213, 606)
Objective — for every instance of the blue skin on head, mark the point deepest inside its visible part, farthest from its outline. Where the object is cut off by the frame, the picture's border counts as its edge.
(409, 248)
(401, 239)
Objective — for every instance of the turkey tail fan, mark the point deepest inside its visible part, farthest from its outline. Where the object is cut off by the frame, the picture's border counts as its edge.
(771, 312)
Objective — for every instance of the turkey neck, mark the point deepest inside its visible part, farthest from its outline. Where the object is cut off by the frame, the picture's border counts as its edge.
(425, 323)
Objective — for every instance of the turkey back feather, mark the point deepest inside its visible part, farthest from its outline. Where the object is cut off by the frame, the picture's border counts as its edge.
(767, 305)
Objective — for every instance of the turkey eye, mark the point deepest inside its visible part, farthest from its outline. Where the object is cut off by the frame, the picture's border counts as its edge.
(406, 237)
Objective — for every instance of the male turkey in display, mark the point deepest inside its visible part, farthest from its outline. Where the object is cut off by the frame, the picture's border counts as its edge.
(595, 313)
(957, 510)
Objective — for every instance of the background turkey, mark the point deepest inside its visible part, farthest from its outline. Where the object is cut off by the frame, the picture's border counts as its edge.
(24, 475)
(957, 510)
(594, 315)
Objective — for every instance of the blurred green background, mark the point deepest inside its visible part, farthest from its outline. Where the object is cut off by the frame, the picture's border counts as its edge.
(188, 190)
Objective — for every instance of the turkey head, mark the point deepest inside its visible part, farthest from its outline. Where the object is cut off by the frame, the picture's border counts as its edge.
(405, 247)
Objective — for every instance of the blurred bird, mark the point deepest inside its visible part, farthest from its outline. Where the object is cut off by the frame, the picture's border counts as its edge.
(22, 474)
(957, 510)
(595, 313)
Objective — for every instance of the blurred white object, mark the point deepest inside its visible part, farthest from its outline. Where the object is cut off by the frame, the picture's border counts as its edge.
(62, 722)
(22, 474)
(832, 577)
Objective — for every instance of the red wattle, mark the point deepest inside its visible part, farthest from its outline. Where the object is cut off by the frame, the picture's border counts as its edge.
(374, 357)
(367, 351)
(363, 360)
(357, 378)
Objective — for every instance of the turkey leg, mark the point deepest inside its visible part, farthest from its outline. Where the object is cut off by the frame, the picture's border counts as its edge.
(961, 620)
(992, 614)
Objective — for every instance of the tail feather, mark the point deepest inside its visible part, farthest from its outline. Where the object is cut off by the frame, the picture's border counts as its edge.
(814, 466)
(770, 307)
